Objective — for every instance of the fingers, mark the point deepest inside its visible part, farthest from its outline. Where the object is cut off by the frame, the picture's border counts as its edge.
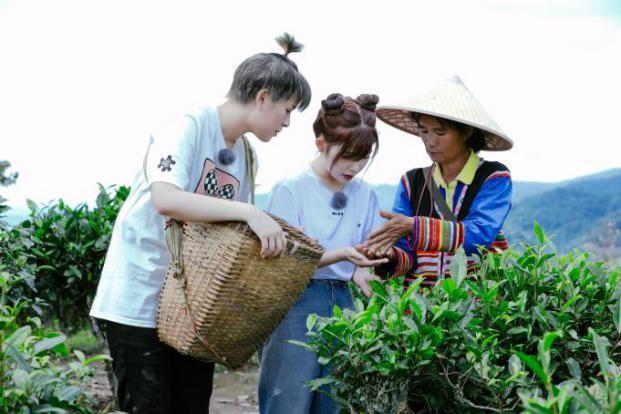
(377, 240)
(375, 277)
(366, 290)
(371, 262)
(387, 214)
(362, 248)
(376, 232)
(274, 245)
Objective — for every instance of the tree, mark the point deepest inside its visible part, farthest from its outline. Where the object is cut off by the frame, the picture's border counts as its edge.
(6, 178)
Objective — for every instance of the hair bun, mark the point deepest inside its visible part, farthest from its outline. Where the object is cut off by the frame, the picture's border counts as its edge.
(288, 44)
(334, 104)
(368, 101)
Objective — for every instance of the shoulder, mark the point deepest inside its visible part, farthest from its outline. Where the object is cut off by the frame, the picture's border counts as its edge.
(182, 121)
(491, 170)
(299, 177)
(413, 172)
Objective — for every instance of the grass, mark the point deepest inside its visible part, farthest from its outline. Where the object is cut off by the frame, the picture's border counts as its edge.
(84, 340)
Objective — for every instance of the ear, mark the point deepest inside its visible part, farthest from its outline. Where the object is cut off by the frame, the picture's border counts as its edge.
(261, 98)
(468, 133)
(321, 144)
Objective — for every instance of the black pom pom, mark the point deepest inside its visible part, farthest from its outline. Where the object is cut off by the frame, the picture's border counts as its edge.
(339, 200)
(226, 156)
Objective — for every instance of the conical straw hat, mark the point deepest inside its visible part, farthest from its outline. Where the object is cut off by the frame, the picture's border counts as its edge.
(450, 99)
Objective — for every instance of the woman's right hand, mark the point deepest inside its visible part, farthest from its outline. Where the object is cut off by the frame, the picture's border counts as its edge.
(377, 250)
(353, 255)
(272, 237)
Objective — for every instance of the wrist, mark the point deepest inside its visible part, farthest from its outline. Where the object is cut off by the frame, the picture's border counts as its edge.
(407, 230)
(249, 212)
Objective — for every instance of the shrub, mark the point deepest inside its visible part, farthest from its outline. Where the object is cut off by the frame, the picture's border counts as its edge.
(37, 371)
(465, 344)
(68, 249)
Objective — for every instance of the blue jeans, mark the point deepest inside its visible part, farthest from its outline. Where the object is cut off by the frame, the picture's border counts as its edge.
(286, 368)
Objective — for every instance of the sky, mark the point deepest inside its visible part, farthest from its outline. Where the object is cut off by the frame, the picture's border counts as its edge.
(82, 83)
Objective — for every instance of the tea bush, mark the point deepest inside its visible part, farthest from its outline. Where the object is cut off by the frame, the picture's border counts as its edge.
(472, 344)
(37, 371)
(67, 249)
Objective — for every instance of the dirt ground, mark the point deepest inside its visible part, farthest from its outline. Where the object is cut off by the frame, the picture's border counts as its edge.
(235, 392)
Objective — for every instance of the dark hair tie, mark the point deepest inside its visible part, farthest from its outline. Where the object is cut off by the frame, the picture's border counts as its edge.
(334, 104)
(368, 101)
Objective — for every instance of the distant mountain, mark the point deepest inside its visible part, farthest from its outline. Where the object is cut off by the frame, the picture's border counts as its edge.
(581, 213)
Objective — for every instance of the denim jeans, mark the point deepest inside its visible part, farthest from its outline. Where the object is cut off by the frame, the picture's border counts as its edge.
(153, 378)
(286, 368)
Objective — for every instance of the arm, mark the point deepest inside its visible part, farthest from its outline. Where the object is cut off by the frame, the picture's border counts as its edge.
(480, 227)
(396, 247)
(170, 200)
(349, 254)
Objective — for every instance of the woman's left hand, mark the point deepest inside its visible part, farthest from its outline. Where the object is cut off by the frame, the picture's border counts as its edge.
(397, 227)
(362, 279)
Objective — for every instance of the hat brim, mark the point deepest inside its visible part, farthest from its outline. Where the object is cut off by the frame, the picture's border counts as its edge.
(401, 118)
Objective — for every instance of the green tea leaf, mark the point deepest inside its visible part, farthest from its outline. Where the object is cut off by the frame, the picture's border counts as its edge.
(46, 344)
(534, 365)
(539, 233)
(310, 322)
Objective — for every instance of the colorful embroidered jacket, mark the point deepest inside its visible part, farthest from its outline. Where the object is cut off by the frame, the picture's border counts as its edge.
(480, 198)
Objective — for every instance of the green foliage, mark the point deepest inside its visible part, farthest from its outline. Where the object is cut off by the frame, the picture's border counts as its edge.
(37, 371)
(525, 323)
(15, 245)
(6, 178)
(571, 396)
(374, 350)
(68, 247)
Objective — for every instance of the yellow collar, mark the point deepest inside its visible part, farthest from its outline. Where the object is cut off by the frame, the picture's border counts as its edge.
(466, 175)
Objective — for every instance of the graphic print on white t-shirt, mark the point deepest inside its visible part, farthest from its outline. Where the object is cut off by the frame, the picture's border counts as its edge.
(216, 182)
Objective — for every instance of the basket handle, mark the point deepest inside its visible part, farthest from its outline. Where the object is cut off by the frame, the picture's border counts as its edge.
(292, 246)
(250, 162)
(173, 240)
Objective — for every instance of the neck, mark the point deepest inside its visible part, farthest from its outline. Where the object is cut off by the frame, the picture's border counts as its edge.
(234, 121)
(451, 169)
(318, 166)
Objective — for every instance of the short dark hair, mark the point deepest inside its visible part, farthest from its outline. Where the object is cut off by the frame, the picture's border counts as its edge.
(274, 72)
(350, 123)
(476, 141)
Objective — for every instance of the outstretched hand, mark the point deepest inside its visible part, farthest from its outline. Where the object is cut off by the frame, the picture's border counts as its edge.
(353, 255)
(362, 277)
(397, 226)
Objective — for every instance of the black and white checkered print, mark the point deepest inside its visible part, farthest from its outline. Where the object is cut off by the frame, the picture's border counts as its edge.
(211, 187)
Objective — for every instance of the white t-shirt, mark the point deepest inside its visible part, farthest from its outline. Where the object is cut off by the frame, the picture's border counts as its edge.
(183, 153)
(302, 199)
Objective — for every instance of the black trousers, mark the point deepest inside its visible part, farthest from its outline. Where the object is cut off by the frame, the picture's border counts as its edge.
(153, 378)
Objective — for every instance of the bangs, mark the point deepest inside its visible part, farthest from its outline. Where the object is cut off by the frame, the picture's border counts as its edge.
(360, 143)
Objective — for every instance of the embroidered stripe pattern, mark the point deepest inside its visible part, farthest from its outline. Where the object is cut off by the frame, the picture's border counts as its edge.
(404, 262)
(430, 234)
(460, 200)
(406, 185)
(498, 174)
(500, 244)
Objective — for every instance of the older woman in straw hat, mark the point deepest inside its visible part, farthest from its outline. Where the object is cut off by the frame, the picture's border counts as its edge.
(460, 200)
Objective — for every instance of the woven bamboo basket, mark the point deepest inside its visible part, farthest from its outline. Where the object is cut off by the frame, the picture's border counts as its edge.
(220, 301)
